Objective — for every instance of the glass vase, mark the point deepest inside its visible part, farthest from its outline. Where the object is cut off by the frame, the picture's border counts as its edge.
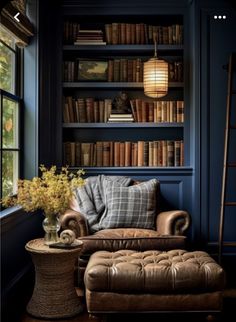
(51, 226)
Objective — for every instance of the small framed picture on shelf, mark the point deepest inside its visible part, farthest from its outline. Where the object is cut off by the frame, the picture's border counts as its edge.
(92, 70)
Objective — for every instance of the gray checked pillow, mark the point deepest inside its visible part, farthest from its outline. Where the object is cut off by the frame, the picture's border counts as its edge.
(129, 207)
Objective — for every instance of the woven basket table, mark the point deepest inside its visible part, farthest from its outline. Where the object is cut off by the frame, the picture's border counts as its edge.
(54, 294)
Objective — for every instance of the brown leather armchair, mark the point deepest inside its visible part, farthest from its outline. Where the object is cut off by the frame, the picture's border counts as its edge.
(169, 233)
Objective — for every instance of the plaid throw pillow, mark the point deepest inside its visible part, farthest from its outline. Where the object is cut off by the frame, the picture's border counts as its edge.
(129, 207)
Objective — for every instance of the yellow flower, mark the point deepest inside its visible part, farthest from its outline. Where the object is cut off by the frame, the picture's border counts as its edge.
(51, 192)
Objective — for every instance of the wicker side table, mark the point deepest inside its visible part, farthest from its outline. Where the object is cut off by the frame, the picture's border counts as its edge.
(54, 294)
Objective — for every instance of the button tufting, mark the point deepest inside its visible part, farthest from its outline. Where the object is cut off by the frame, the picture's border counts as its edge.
(153, 271)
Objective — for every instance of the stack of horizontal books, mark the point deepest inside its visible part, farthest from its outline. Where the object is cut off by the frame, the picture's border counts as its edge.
(120, 117)
(90, 37)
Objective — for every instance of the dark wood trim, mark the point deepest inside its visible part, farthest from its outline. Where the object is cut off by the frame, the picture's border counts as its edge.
(22, 29)
(17, 32)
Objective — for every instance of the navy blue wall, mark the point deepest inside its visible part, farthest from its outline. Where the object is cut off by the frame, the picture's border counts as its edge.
(211, 42)
(217, 41)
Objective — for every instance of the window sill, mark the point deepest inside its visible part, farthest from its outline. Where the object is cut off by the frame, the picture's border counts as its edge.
(10, 211)
(13, 216)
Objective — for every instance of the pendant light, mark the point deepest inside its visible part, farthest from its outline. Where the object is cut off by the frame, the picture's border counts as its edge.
(155, 78)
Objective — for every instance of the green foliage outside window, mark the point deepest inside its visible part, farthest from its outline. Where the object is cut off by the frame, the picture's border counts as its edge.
(9, 131)
(9, 141)
(7, 61)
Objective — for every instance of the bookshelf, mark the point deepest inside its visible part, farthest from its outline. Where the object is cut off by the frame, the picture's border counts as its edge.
(114, 85)
(124, 125)
(136, 49)
(86, 136)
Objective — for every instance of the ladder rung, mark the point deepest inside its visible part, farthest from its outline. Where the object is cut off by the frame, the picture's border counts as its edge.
(231, 165)
(231, 203)
(229, 244)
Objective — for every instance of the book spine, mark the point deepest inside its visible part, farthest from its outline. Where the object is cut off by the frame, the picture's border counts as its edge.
(122, 154)
(127, 154)
(111, 154)
(106, 154)
(99, 155)
(116, 154)
(140, 153)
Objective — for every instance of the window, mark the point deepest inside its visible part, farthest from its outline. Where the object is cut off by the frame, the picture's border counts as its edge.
(10, 112)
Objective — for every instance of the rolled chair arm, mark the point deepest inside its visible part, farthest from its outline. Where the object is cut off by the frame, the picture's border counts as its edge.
(174, 222)
(75, 221)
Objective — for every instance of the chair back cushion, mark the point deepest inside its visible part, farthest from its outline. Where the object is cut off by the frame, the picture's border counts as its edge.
(90, 198)
(130, 207)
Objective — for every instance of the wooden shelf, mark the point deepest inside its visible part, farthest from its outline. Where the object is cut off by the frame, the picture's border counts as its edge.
(161, 171)
(125, 49)
(114, 85)
(123, 125)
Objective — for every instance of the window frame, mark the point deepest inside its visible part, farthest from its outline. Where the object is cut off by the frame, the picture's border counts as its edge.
(16, 97)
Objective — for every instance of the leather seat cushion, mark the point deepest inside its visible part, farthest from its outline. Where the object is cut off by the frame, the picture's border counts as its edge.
(130, 238)
(175, 271)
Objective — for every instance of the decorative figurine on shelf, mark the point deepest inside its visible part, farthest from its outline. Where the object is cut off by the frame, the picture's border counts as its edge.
(121, 104)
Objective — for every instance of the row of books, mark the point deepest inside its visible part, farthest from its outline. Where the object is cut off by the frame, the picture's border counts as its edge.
(117, 70)
(120, 70)
(90, 110)
(90, 37)
(127, 33)
(70, 31)
(140, 33)
(86, 110)
(125, 70)
(164, 153)
(157, 111)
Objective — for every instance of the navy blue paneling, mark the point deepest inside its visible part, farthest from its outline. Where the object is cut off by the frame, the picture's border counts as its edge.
(217, 43)
(222, 32)
(50, 31)
(16, 230)
(175, 185)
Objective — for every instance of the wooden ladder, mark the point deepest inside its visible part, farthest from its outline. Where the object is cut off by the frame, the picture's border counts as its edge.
(228, 128)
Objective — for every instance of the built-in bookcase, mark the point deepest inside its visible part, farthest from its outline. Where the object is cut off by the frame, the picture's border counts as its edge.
(156, 137)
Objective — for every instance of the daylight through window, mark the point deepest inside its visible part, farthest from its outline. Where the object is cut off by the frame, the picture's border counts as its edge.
(10, 110)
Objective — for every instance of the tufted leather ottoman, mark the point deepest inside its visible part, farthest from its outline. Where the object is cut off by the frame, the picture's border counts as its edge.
(153, 281)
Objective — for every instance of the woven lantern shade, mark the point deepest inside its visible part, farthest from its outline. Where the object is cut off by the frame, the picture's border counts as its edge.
(155, 75)
(155, 78)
